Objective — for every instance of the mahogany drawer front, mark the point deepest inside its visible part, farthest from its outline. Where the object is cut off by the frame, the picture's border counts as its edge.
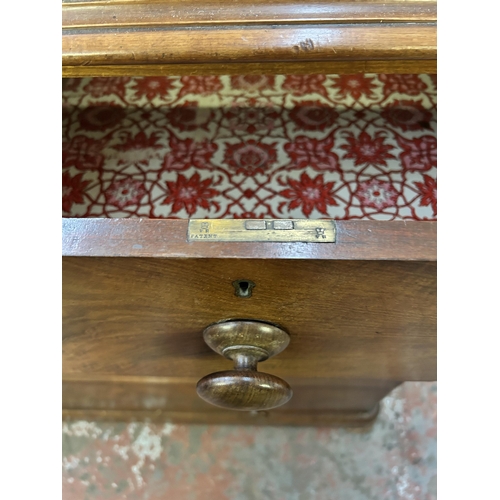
(360, 313)
(143, 316)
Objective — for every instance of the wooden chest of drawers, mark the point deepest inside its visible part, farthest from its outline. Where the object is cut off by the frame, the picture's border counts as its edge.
(360, 312)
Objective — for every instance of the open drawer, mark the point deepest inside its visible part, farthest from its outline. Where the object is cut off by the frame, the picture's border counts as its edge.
(152, 165)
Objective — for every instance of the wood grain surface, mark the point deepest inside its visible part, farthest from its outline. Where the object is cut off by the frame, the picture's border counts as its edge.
(361, 313)
(346, 319)
(195, 12)
(263, 68)
(256, 44)
(246, 343)
(244, 390)
(175, 400)
(309, 418)
(362, 240)
(192, 37)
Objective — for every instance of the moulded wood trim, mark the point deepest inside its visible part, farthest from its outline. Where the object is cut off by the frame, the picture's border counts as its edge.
(265, 68)
(178, 13)
(330, 398)
(82, 379)
(292, 418)
(311, 43)
(167, 238)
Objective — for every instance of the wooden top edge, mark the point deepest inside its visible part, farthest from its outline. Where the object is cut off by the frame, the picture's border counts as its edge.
(314, 379)
(210, 13)
(427, 66)
(228, 5)
(224, 3)
(306, 44)
(167, 238)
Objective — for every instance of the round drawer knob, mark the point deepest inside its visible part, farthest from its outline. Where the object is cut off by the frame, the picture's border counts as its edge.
(244, 388)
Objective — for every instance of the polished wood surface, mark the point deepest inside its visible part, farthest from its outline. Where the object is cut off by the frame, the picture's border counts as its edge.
(246, 343)
(185, 37)
(318, 402)
(137, 296)
(259, 44)
(263, 68)
(145, 316)
(309, 418)
(361, 240)
(244, 390)
(361, 313)
(119, 13)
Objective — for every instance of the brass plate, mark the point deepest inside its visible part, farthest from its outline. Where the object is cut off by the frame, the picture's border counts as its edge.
(277, 230)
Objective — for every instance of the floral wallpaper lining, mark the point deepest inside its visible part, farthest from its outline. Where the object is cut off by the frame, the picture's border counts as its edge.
(313, 146)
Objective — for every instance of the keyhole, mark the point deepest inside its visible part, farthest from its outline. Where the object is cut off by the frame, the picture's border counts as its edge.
(243, 288)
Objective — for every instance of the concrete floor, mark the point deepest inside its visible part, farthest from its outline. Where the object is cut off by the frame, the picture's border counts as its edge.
(395, 459)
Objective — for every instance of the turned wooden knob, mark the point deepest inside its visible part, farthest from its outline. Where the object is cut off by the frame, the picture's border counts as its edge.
(244, 388)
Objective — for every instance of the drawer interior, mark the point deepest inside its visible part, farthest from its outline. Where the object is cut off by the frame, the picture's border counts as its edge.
(346, 147)
(361, 313)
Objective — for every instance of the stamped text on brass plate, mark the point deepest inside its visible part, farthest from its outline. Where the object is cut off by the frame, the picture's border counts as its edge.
(277, 230)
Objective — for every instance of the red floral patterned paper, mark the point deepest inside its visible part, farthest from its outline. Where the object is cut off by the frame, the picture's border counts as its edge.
(313, 146)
